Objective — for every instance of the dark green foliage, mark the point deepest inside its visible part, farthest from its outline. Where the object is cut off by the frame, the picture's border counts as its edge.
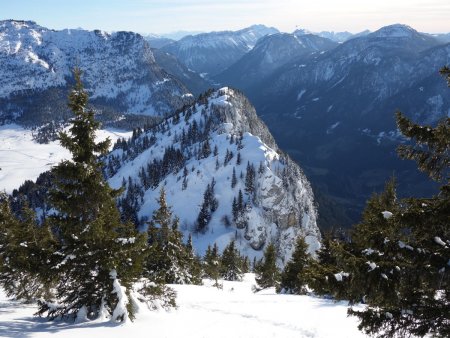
(233, 178)
(267, 273)
(209, 205)
(399, 260)
(250, 179)
(401, 268)
(245, 265)
(445, 71)
(169, 260)
(231, 263)
(25, 253)
(432, 146)
(293, 277)
(211, 263)
(157, 295)
(93, 244)
(322, 273)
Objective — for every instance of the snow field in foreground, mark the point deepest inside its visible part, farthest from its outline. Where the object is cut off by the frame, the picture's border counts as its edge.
(203, 311)
(22, 159)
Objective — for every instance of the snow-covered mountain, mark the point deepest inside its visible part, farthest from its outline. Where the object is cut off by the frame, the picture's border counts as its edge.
(271, 53)
(213, 52)
(342, 103)
(120, 72)
(223, 174)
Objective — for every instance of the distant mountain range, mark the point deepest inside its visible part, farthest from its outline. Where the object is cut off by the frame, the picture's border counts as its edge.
(213, 52)
(328, 98)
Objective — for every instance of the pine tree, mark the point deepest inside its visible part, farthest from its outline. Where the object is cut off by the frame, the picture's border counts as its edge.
(212, 264)
(231, 263)
(98, 257)
(169, 260)
(185, 179)
(267, 273)
(245, 265)
(217, 164)
(413, 296)
(204, 216)
(233, 178)
(25, 254)
(324, 275)
(238, 158)
(194, 264)
(250, 179)
(293, 276)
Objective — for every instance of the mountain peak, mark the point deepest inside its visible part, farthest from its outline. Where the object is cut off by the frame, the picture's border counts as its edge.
(246, 169)
(395, 31)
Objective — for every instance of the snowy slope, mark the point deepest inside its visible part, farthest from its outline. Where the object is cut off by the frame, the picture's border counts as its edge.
(120, 70)
(281, 207)
(21, 158)
(203, 311)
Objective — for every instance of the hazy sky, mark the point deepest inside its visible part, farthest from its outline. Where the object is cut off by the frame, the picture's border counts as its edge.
(162, 16)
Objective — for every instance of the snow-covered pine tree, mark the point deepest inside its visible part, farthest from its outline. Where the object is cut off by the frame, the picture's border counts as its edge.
(168, 258)
(250, 179)
(211, 263)
(204, 215)
(293, 277)
(194, 263)
(414, 298)
(267, 273)
(231, 263)
(98, 256)
(324, 275)
(25, 253)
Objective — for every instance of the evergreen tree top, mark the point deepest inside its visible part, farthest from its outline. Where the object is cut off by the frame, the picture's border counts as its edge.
(81, 139)
(432, 148)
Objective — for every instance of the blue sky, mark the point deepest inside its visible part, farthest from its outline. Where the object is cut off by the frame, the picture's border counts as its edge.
(159, 16)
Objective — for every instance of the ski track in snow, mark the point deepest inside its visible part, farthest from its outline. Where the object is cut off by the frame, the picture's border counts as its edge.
(203, 311)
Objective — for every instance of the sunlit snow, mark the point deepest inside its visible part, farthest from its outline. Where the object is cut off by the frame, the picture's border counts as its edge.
(203, 311)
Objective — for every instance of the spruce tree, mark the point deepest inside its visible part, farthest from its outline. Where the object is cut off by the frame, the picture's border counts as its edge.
(250, 179)
(293, 277)
(98, 257)
(326, 276)
(231, 263)
(267, 273)
(169, 260)
(233, 178)
(212, 264)
(194, 264)
(414, 298)
(25, 252)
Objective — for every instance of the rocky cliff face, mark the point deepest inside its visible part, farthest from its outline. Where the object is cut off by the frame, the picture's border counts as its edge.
(120, 72)
(223, 174)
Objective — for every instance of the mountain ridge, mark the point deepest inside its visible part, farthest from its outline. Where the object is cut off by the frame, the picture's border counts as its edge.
(120, 72)
(218, 143)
